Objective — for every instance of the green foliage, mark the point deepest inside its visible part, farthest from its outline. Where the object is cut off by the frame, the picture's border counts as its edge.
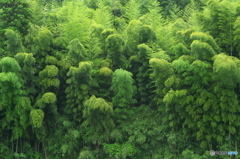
(133, 31)
(132, 10)
(236, 36)
(225, 70)
(40, 43)
(14, 42)
(162, 70)
(98, 114)
(78, 90)
(154, 14)
(86, 154)
(48, 77)
(147, 34)
(122, 86)
(114, 41)
(102, 79)
(184, 36)
(43, 41)
(37, 116)
(203, 46)
(138, 33)
(105, 71)
(188, 154)
(218, 18)
(205, 38)
(85, 105)
(179, 50)
(103, 15)
(161, 55)
(180, 65)
(37, 12)
(95, 45)
(10, 88)
(139, 132)
(15, 15)
(49, 98)
(124, 91)
(76, 52)
(114, 47)
(120, 151)
(76, 15)
(9, 64)
(51, 60)
(26, 61)
(117, 8)
(22, 110)
(141, 69)
(11, 102)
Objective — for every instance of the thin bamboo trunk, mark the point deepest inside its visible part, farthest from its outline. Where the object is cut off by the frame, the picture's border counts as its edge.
(16, 146)
(230, 146)
(12, 145)
(236, 148)
(37, 146)
(22, 140)
(44, 150)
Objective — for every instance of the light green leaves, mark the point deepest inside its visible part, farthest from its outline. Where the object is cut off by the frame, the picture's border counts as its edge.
(114, 48)
(44, 40)
(49, 98)
(48, 77)
(172, 95)
(97, 104)
(98, 114)
(180, 66)
(76, 20)
(124, 91)
(226, 70)
(52, 71)
(122, 86)
(37, 116)
(138, 33)
(237, 35)
(105, 71)
(51, 60)
(203, 37)
(170, 81)
(103, 15)
(179, 50)
(203, 46)
(79, 86)
(85, 67)
(144, 52)
(202, 50)
(14, 42)
(25, 59)
(132, 10)
(114, 41)
(9, 64)
(161, 67)
(10, 88)
(76, 52)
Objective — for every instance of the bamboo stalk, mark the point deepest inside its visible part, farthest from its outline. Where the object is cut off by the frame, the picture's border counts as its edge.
(44, 150)
(236, 148)
(16, 146)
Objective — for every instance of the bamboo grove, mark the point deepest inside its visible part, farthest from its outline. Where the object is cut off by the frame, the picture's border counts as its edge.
(118, 79)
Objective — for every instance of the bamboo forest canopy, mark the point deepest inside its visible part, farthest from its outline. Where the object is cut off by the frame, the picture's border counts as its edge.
(119, 79)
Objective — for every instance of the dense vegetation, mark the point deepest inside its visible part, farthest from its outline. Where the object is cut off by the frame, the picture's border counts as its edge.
(119, 79)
